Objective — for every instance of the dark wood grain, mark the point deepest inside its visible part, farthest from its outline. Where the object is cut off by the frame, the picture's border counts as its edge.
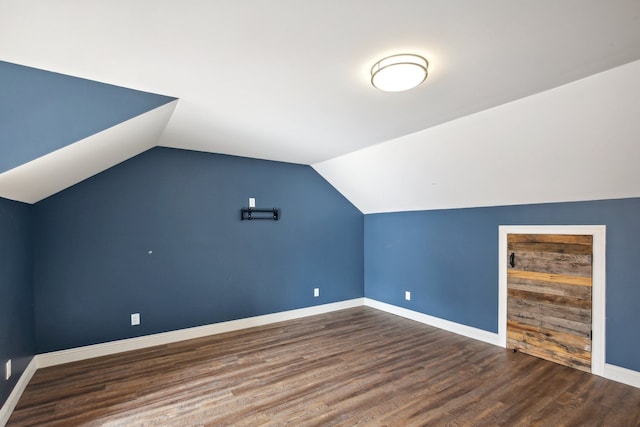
(561, 248)
(551, 262)
(562, 347)
(352, 367)
(561, 289)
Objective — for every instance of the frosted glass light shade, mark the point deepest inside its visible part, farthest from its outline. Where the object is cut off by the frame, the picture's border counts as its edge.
(398, 73)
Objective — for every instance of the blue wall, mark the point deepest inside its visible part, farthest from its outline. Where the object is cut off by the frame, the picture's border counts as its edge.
(16, 296)
(41, 111)
(448, 259)
(92, 265)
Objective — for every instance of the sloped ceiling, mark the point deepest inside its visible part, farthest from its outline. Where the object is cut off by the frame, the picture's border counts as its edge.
(57, 130)
(71, 164)
(289, 80)
(42, 111)
(578, 142)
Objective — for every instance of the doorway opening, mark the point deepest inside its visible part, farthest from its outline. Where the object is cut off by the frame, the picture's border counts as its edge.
(598, 232)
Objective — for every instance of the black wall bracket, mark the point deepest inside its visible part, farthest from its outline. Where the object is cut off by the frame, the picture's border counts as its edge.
(254, 213)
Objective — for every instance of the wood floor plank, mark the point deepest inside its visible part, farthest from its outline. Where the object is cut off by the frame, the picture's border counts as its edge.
(352, 367)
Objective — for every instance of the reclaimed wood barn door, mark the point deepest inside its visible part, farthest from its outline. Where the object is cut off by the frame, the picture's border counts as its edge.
(549, 297)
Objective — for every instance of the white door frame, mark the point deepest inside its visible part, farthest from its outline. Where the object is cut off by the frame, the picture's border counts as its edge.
(598, 276)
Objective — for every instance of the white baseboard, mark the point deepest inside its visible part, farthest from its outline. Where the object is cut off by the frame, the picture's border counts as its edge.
(81, 353)
(14, 397)
(611, 372)
(44, 360)
(622, 375)
(447, 325)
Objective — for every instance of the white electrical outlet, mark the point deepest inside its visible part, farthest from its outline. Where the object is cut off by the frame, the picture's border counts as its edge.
(407, 295)
(135, 319)
(316, 292)
(252, 202)
(7, 370)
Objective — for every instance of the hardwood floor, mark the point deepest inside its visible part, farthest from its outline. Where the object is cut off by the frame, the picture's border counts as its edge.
(352, 367)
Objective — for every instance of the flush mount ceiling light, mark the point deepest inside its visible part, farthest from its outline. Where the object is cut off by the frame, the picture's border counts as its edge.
(397, 73)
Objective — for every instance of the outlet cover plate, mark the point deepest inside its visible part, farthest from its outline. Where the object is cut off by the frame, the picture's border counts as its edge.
(407, 295)
(7, 370)
(316, 292)
(135, 319)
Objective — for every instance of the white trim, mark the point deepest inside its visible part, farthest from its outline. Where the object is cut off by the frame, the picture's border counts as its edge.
(622, 375)
(44, 360)
(447, 325)
(598, 275)
(97, 350)
(16, 393)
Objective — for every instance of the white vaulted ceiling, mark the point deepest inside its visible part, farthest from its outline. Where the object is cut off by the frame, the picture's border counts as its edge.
(288, 80)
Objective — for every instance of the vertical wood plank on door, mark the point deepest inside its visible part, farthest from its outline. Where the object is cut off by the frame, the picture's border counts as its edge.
(549, 297)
